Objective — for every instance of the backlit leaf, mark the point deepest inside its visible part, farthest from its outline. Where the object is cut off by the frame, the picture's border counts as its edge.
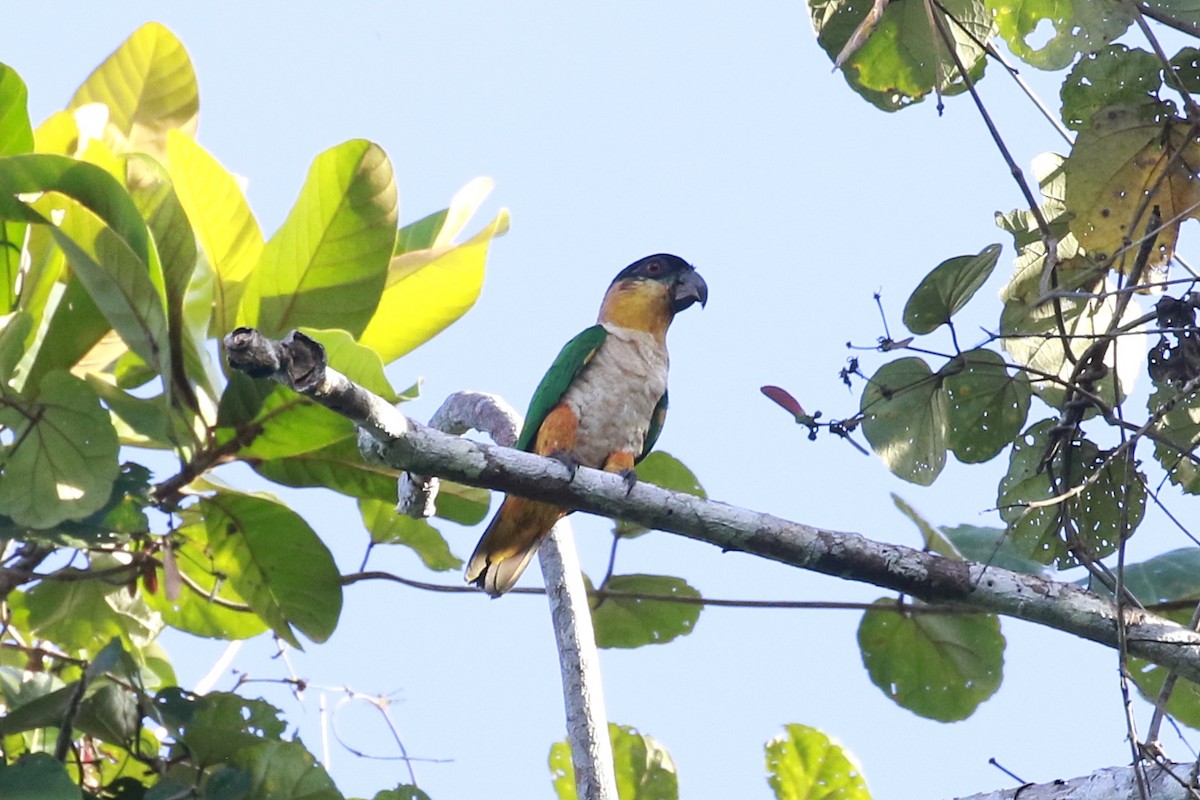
(388, 527)
(906, 419)
(62, 462)
(284, 770)
(644, 769)
(1122, 166)
(149, 87)
(427, 290)
(987, 406)
(1178, 427)
(1116, 75)
(276, 562)
(1109, 507)
(327, 264)
(905, 58)
(805, 764)
(943, 292)
(628, 622)
(940, 666)
(1079, 26)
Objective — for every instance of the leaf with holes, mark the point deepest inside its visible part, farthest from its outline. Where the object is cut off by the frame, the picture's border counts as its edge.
(276, 562)
(987, 406)
(939, 666)
(805, 764)
(943, 292)
(1178, 429)
(623, 622)
(906, 419)
(1079, 26)
(1100, 493)
(643, 767)
(1128, 161)
(1114, 76)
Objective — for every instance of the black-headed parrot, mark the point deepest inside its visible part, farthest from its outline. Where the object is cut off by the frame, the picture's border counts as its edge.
(601, 405)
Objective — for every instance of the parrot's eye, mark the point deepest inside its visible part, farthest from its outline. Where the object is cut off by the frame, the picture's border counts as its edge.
(653, 268)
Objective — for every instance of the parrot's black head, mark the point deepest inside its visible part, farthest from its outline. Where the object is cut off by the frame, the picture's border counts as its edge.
(682, 283)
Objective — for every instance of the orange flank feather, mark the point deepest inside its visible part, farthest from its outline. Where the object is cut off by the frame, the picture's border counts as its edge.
(557, 434)
(621, 461)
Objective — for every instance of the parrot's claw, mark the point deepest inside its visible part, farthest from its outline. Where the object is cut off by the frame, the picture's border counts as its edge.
(629, 476)
(567, 459)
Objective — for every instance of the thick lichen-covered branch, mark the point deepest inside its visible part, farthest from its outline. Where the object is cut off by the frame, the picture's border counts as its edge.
(409, 446)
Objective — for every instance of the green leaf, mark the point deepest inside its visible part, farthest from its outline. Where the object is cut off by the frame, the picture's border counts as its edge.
(1178, 429)
(338, 466)
(466, 505)
(45, 710)
(1166, 577)
(1186, 66)
(429, 289)
(1080, 26)
(149, 87)
(943, 292)
(388, 527)
(805, 764)
(37, 776)
(207, 605)
(63, 459)
(991, 546)
(662, 469)
(905, 58)
(110, 713)
(218, 726)
(276, 562)
(401, 793)
(906, 419)
(226, 229)
(644, 768)
(291, 424)
(420, 235)
(940, 666)
(1127, 161)
(1116, 75)
(987, 406)
(12, 343)
(1107, 508)
(82, 616)
(16, 136)
(935, 541)
(358, 363)
(327, 264)
(627, 622)
(285, 771)
(1031, 335)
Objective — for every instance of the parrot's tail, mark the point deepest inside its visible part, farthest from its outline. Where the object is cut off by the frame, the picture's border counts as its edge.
(510, 542)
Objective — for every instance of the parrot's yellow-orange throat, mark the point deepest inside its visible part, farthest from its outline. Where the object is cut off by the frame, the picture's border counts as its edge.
(638, 305)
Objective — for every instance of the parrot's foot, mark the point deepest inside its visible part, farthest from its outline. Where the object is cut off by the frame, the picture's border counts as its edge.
(567, 459)
(629, 476)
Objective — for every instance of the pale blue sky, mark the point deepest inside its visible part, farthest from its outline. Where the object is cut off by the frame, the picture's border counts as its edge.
(614, 130)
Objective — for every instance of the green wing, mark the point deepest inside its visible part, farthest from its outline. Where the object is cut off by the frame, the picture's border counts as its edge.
(656, 425)
(571, 359)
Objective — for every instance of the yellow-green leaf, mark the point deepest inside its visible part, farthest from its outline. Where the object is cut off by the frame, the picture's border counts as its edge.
(149, 87)
(805, 764)
(327, 264)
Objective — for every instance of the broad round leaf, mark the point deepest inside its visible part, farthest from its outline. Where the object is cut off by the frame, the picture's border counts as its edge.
(987, 406)
(662, 469)
(1165, 578)
(63, 460)
(1179, 432)
(276, 562)
(1116, 75)
(628, 623)
(149, 87)
(327, 264)
(805, 764)
(940, 666)
(388, 527)
(1104, 511)
(904, 58)
(1080, 26)
(37, 776)
(906, 419)
(644, 769)
(943, 292)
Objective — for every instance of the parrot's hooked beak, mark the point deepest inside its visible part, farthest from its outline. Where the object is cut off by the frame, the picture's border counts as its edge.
(689, 288)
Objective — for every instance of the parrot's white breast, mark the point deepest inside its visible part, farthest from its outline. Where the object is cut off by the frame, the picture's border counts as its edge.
(615, 394)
